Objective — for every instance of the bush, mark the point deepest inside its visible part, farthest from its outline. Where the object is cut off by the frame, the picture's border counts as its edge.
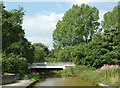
(14, 64)
(50, 59)
(33, 76)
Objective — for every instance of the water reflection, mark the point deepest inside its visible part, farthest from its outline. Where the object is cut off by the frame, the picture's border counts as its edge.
(55, 82)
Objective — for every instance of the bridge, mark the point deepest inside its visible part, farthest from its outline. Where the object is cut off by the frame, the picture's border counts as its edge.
(51, 65)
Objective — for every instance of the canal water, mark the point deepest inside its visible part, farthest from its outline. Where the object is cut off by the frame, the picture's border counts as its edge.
(70, 81)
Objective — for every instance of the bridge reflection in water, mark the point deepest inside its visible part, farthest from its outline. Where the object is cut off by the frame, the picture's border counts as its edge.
(50, 66)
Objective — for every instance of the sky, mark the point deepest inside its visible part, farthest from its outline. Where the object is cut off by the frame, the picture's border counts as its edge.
(40, 17)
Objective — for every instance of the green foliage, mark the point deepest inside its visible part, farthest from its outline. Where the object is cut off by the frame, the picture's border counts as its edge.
(75, 71)
(104, 49)
(51, 59)
(39, 54)
(77, 26)
(22, 48)
(22, 76)
(1, 65)
(33, 76)
(13, 35)
(14, 64)
(74, 41)
(72, 53)
(51, 53)
(44, 47)
(17, 51)
(41, 51)
(11, 26)
(108, 77)
(111, 19)
(42, 54)
(112, 34)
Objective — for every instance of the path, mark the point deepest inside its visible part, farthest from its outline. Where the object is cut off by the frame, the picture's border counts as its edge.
(19, 84)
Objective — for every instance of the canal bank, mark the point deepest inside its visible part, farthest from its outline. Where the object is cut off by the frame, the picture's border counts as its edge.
(94, 77)
(105, 76)
(19, 83)
(24, 83)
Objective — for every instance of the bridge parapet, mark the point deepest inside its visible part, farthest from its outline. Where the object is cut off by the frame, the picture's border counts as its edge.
(51, 65)
(58, 63)
(54, 63)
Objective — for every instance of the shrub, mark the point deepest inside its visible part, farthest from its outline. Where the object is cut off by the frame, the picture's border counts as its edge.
(33, 76)
(14, 64)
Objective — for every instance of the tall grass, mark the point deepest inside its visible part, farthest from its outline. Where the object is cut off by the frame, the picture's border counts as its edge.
(75, 71)
(108, 76)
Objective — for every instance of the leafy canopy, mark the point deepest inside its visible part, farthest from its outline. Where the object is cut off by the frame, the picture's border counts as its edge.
(13, 36)
(78, 25)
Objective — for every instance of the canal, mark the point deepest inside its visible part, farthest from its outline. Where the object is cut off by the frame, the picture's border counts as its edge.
(70, 81)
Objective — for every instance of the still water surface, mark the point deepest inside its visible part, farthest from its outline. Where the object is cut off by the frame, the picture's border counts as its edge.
(73, 81)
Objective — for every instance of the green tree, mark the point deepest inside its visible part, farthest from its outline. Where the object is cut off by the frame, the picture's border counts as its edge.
(41, 51)
(104, 49)
(39, 54)
(78, 25)
(112, 32)
(111, 19)
(13, 36)
(14, 64)
(51, 53)
(72, 53)
(11, 26)
(51, 59)
(94, 51)
(44, 47)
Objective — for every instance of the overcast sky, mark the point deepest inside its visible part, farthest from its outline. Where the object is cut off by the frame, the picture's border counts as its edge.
(41, 17)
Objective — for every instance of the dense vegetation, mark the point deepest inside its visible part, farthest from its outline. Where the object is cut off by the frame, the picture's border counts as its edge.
(41, 51)
(106, 76)
(17, 52)
(77, 38)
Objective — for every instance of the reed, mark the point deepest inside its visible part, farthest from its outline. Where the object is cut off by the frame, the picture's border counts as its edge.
(107, 76)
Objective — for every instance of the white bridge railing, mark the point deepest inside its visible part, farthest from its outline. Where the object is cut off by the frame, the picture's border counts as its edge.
(51, 64)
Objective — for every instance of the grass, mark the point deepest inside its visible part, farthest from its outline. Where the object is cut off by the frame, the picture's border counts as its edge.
(7, 73)
(33, 76)
(108, 77)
